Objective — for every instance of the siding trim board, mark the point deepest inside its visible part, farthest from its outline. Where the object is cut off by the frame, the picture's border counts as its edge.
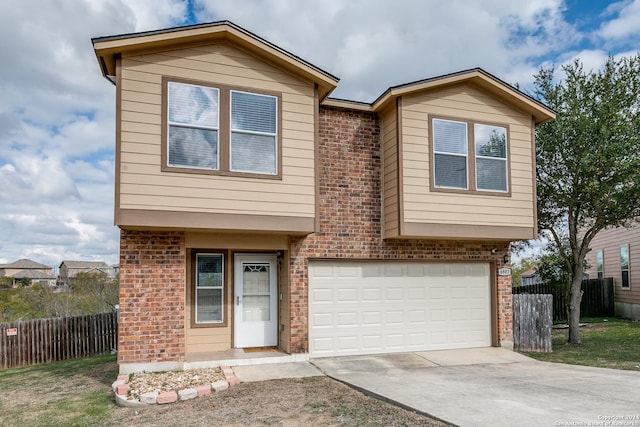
(144, 219)
(118, 153)
(466, 231)
(400, 166)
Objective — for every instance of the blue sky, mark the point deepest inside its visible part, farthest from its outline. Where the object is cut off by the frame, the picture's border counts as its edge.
(57, 112)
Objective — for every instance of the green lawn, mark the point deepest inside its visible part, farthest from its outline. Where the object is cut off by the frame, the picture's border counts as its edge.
(68, 393)
(606, 343)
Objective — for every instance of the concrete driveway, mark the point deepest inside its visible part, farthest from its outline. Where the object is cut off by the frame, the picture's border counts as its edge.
(494, 387)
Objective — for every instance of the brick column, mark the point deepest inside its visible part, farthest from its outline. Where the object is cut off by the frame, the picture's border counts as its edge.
(151, 326)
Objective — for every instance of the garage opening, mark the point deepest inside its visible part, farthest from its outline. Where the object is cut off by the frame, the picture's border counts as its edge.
(372, 307)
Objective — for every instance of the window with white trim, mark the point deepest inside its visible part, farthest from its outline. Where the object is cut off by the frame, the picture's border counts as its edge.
(624, 267)
(209, 288)
(469, 156)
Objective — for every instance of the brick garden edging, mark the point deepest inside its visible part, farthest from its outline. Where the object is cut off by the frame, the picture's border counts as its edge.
(121, 389)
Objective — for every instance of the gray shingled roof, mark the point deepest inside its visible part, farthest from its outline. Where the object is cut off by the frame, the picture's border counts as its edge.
(24, 264)
(84, 264)
(32, 274)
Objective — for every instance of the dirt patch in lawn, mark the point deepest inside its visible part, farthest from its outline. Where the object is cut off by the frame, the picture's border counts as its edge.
(287, 402)
(78, 393)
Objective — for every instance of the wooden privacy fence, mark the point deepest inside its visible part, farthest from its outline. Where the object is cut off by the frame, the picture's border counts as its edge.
(30, 342)
(597, 298)
(532, 322)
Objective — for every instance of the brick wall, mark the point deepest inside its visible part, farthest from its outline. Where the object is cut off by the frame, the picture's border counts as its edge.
(350, 218)
(152, 301)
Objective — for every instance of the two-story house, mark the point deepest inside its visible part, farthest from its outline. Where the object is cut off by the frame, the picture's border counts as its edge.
(257, 212)
(69, 268)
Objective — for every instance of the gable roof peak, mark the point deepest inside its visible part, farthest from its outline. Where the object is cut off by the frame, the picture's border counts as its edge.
(109, 48)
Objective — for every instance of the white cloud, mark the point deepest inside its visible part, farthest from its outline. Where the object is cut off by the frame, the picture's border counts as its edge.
(57, 111)
(374, 44)
(57, 125)
(625, 24)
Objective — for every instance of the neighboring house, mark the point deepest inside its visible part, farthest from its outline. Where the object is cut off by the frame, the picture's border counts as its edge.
(614, 253)
(28, 269)
(530, 277)
(256, 211)
(68, 269)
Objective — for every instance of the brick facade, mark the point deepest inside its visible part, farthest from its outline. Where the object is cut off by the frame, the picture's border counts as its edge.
(350, 214)
(152, 297)
(153, 263)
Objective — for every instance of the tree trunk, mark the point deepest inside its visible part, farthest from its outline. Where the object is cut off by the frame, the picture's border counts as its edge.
(573, 309)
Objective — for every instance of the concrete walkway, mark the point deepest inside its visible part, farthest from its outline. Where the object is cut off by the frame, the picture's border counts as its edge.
(494, 387)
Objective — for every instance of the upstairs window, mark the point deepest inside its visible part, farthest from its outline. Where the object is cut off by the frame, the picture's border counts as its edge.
(193, 122)
(491, 157)
(469, 156)
(220, 130)
(253, 132)
(450, 148)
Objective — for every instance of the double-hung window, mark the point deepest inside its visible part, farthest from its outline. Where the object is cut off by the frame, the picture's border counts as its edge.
(220, 130)
(469, 156)
(253, 132)
(624, 267)
(491, 157)
(193, 126)
(209, 288)
(450, 148)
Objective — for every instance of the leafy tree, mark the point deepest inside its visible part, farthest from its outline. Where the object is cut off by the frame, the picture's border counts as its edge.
(96, 292)
(587, 162)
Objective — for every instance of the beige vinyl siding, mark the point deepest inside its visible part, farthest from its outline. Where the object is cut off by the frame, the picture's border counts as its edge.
(388, 120)
(470, 104)
(609, 241)
(142, 183)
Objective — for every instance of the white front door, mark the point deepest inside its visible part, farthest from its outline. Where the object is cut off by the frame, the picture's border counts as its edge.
(255, 299)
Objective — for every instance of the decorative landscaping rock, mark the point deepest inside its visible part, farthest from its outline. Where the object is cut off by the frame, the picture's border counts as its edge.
(146, 388)
(220, 385)
(167, 397)
(203, 390)
(117, 383)
(149, 398)
(122, 389)
(187, 394)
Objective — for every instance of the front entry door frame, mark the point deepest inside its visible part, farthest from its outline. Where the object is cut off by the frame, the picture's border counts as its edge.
(255, 323)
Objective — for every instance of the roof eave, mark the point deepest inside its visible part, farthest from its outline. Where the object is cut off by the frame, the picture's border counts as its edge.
(540, 112)
(108, 49)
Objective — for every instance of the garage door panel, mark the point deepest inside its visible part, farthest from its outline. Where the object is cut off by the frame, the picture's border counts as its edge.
(379, 307)
(394, 294)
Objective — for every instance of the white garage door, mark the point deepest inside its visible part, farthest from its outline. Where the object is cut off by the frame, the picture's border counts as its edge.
(384, 307)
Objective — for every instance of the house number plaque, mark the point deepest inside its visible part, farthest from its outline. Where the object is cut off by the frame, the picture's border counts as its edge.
(504, 272)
